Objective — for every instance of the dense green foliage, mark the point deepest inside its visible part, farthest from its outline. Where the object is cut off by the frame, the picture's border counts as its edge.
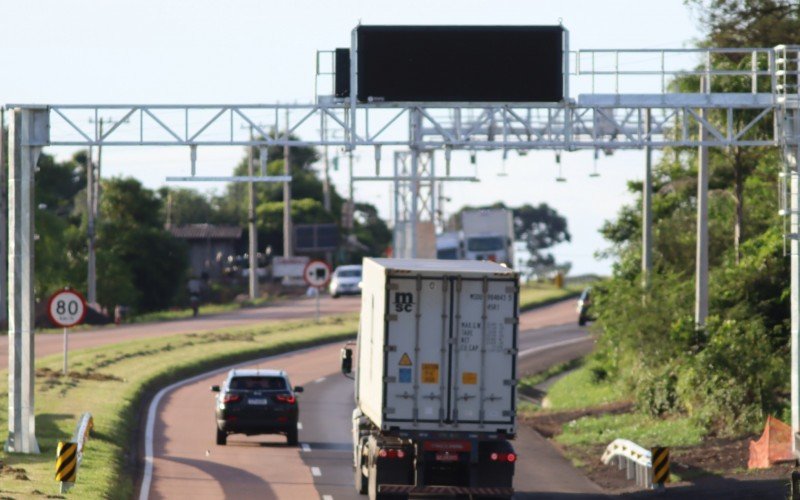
(730, 374)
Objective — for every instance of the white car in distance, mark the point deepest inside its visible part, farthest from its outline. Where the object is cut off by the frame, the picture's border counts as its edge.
(346, 280)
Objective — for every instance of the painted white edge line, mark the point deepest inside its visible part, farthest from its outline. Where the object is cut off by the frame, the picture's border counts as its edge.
(316, 472)
(321, 379)
(327, 497)
(147, 475)
(534, 350)
(305, 447)
(300, 426)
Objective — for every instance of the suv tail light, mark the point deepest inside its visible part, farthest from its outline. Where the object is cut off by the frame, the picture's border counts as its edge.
(503, 457)
(231, 398)
(286, 398)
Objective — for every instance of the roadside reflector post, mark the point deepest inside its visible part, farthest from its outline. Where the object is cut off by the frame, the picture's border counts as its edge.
(660, 457)
(66, 464)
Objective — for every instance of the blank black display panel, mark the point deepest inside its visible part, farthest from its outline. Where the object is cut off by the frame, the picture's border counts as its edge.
(460, 63)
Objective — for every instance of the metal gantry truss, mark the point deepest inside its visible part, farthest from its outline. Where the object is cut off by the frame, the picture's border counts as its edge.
(603, 116)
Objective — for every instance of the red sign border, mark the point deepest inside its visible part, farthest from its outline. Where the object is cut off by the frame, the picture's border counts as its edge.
(50, 303)
(305, 273)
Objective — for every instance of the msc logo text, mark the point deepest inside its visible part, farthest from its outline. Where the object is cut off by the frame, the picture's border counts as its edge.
(403, 302)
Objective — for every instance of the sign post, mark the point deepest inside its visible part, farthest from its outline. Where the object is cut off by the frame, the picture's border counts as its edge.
(66, 309)
(317, 274)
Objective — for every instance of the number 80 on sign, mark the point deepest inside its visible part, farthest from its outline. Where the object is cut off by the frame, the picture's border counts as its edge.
(66, 308)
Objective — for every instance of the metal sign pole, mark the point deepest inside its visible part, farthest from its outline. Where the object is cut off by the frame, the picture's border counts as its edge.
(317, 315)
(66, 349)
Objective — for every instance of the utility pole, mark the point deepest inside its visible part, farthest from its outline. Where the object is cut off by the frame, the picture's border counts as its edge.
(91, 272)
(701, 279)
(326, 181)
(251, 221)
(647, 206)
(287, 197)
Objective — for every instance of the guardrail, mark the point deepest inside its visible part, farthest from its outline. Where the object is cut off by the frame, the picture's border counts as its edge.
(638, 462)
(69, 454)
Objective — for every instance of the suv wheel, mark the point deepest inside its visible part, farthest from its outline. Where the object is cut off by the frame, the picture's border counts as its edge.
(291, 436)
(222, 437)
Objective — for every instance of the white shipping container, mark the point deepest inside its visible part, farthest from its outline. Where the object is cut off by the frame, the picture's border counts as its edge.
(437, 345)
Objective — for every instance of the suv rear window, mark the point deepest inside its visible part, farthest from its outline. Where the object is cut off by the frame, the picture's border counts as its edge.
(258, 384)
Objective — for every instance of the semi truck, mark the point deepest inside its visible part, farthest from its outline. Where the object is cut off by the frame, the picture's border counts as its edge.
(435, 379)
(448, 246)
(488, 234)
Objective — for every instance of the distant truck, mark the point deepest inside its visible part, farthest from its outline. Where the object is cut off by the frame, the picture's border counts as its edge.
(435, 383)
(488, 235)
(448, 246)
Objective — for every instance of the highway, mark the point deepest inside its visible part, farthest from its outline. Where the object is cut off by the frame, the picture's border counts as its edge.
(186, 462)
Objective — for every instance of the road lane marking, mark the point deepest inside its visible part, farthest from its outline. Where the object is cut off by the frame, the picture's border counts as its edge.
(147, 474)
(316, 472)
(321, 379)
(300, 425)
(306, 447)
(534, 350)
(327, 497)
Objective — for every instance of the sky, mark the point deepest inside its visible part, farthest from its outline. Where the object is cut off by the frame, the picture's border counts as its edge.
(248, 51)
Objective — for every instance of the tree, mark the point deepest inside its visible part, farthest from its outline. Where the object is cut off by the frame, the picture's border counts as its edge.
(134, 247)
(185, 206)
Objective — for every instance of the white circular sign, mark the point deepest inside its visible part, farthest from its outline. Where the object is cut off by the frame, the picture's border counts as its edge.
(66, 308)
(317, 273)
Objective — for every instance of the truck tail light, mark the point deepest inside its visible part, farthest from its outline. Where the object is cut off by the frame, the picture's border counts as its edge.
(286, 398)
(503, 457)
(391, 453)
(231, 398)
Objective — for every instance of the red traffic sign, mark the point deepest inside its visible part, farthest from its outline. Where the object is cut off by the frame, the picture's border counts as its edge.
(66, 308)
(317, 273)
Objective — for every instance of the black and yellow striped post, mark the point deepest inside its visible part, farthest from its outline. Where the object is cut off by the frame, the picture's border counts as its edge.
(660, 460)
(66, 464)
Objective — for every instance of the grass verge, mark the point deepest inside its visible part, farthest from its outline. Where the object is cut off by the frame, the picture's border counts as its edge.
(112, 382)
(532, 295)
(175, 314)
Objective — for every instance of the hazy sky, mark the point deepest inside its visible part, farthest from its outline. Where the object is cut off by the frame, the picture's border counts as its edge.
(199, 51)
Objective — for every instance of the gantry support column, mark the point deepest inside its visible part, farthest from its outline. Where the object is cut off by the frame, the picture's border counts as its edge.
(28, 133)
(794, 230)
(701, 278)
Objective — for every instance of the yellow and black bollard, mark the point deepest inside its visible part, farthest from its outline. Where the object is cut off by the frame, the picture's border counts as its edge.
(66, 464)
(660, 459)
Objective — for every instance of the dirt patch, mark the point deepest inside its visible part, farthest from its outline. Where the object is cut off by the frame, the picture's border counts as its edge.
(17, 473)
(549, 424)
(87, 374)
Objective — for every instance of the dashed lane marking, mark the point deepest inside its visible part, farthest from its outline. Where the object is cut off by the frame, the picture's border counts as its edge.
(321, 379)
(300, 425)
(305, 447)
(316, 472)
(327, 497)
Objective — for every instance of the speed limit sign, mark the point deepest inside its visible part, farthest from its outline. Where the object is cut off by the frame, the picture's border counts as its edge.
(66, 308)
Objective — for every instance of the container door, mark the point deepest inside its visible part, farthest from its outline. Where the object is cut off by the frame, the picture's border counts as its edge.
(484, 359)
(418, 332)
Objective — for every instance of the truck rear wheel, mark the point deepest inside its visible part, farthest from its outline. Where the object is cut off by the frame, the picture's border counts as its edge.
(372, 487)
(360, 481)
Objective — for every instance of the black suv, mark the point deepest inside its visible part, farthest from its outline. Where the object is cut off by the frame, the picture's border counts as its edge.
(256, 402)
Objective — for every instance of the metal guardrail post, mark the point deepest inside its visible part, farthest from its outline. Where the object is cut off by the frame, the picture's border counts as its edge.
(69, 455)
(638, 462)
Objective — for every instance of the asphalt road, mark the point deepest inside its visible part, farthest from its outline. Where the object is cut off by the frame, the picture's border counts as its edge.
(47, 344)
(186, 462)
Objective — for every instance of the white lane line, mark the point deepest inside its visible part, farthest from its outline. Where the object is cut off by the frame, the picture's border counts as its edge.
(321, 379)
(534, 350)
(147, 475)
(327, 497)
(316, 472)
(300, 425)
(306, 447)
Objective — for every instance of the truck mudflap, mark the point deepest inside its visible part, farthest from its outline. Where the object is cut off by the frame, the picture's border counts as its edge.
(410, 489)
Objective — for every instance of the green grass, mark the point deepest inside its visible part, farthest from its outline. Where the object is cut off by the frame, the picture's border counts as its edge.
(536, 294)
(111, 381)
(549, 373)
(642, 430)
(175, 314)
(579, 390)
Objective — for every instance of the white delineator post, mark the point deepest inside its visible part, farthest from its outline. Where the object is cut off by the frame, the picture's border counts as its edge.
(28, 133)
